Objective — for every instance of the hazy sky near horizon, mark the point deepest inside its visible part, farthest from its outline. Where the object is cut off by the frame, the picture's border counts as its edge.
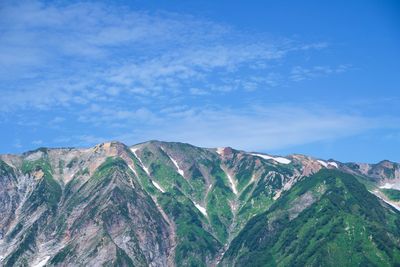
(279, 77)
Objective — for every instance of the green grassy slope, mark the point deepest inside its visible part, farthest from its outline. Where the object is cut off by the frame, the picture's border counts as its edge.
(328, 219)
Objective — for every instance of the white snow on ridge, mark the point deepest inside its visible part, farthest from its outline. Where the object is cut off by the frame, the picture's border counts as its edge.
(262, 156)
(395, 185)
(326, 164)
(334, 164)
(277, 159)
(42, 262)
(140, 161)
(282, 160)
(158, 186)
(220, 150)
(386, 186)
(200, 208)
(323, 163)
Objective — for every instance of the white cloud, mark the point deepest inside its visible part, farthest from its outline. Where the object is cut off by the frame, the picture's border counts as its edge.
(256, 129)
(110, 116)
(262, 128)
(299, 73)
(77, 54)
(135, 73)
(198, 91)
(57, 120)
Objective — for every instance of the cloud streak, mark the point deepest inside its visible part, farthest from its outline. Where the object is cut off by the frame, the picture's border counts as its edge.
(134, 75)
(82, 53)
(269, 128)
(256, 129)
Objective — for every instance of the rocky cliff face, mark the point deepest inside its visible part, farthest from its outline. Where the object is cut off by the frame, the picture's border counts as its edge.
(152, 204)
(79, 207)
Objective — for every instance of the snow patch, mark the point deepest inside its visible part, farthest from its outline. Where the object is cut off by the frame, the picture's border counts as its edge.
(277, 159)
(200, 208)
(180, 171)
(387, 186)
(42, 262)
(140, 161)
(232, 182)
(393, 185)
(158, 186)
(326, 164)
(261, 156)
(282, 160)
(334, 164)
(323, 163)
(220, 151)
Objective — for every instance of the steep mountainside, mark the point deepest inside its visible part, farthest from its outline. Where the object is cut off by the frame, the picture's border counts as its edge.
(166, 204)
(329, 219)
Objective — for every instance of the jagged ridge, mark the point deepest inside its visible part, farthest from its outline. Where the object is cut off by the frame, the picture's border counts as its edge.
(152, 204)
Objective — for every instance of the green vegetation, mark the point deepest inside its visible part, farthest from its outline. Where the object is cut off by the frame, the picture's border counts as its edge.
(195, 244)
(327, 219)
(105, 173)
(61, 164)
(27, 244)
(14, 232)
(167, 177)
(62, 254)
(344, 226)
(5, 170)
(218, 207)
(257, 198)
(392, 194)
(244, 169)
(122, 259)
(47, 190)
(72, 162)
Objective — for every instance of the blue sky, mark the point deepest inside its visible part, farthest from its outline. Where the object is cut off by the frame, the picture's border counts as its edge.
(279, 77)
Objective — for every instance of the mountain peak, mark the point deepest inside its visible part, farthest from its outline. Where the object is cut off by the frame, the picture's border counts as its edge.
(225, 151)
(198, 200)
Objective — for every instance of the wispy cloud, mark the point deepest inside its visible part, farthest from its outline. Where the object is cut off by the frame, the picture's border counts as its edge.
(83, 53)
(300, 73)
(156, 75)
(259, 128)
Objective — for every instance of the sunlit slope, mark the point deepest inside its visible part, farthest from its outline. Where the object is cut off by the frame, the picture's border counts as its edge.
(328, 219)
(165, 204)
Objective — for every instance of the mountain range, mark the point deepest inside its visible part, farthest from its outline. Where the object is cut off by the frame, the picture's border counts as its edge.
(174, 204)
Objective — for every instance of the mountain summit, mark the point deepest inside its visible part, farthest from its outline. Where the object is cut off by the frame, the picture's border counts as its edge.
(174, 204)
